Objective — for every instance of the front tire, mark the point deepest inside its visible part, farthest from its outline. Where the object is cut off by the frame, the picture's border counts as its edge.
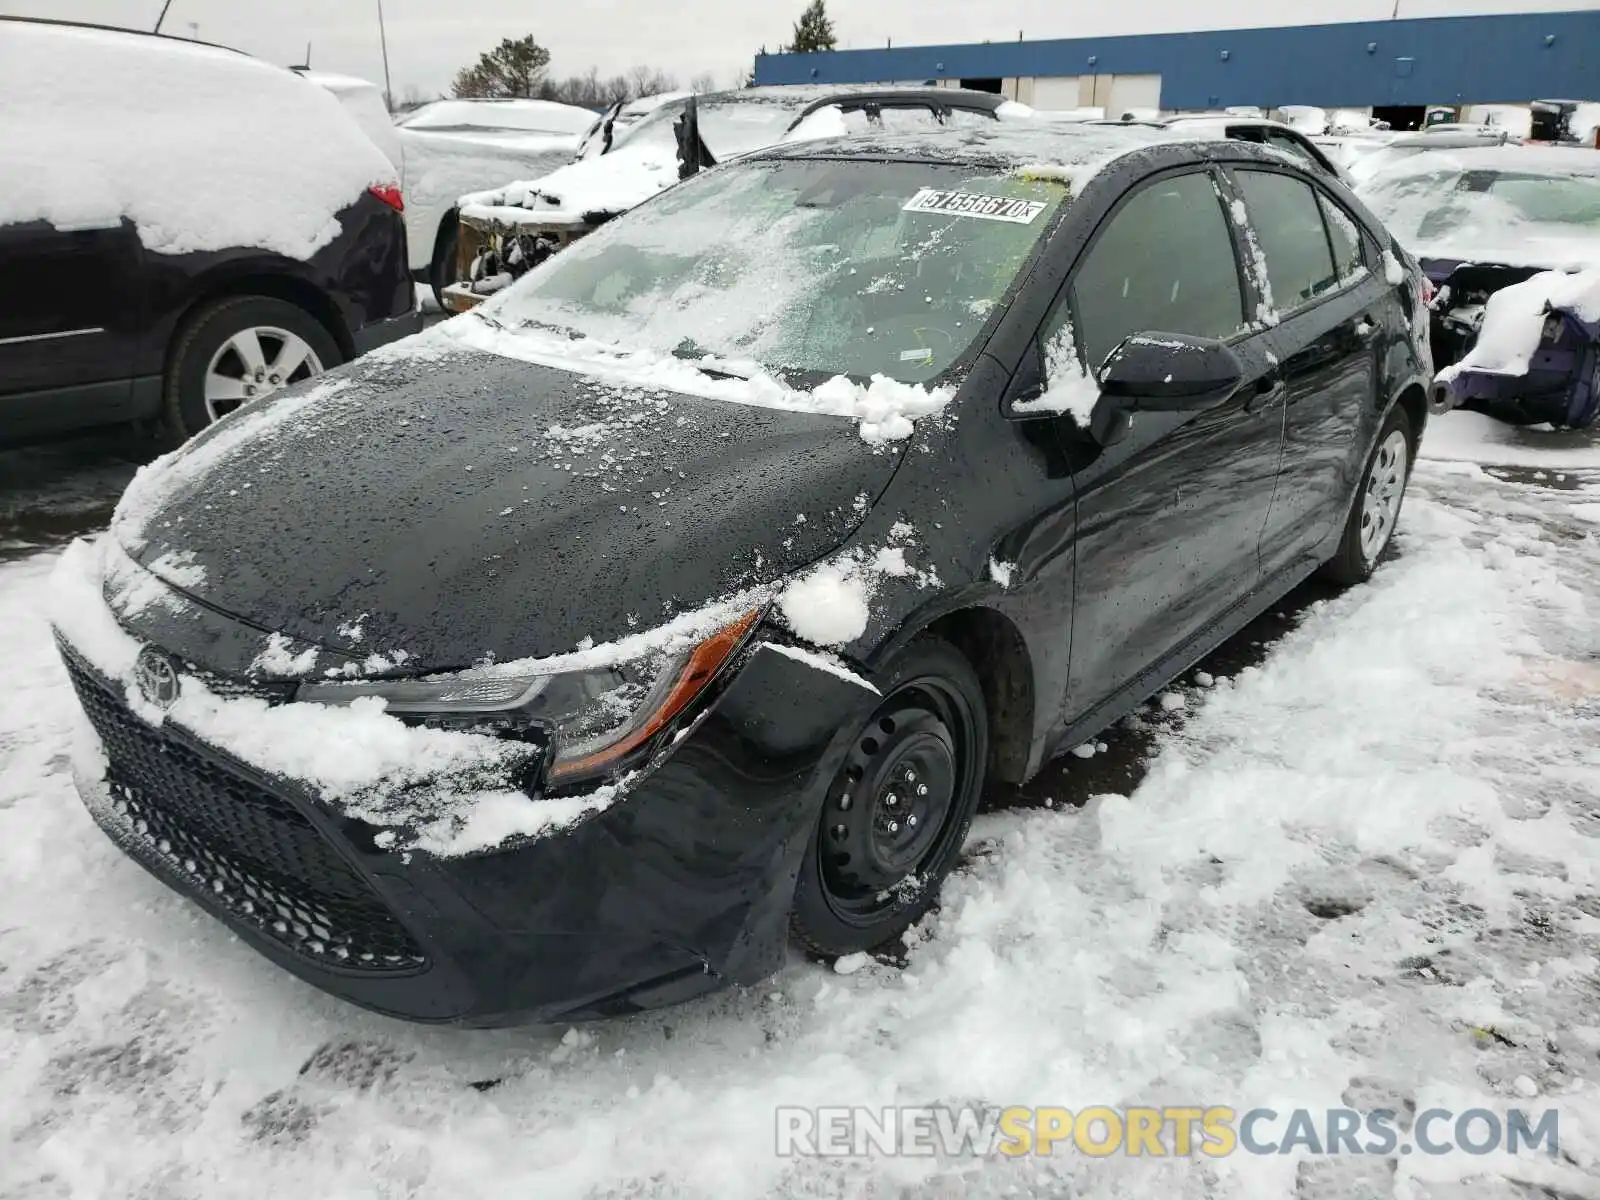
(1376, 511)
(239, 349)
(897, 813)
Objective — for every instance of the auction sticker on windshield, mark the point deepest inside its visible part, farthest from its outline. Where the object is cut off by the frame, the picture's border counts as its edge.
(975, 204)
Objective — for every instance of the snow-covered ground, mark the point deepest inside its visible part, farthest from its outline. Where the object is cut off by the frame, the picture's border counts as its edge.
(1365, 872)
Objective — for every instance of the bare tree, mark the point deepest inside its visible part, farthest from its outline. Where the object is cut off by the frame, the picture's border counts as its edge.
(648, 81)
(703, 82)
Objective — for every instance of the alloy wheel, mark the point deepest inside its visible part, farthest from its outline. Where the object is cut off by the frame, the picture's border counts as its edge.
(1386, 486)
(256, 362)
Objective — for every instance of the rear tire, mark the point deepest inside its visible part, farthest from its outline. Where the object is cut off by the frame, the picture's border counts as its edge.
(1379, 497)
(442, 271)
(202, 363)
(896, 815)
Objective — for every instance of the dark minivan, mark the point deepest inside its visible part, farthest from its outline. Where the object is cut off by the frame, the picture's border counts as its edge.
(183, 228)
(572, 658)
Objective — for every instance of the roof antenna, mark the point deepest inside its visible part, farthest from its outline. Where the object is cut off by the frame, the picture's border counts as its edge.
(163, 15)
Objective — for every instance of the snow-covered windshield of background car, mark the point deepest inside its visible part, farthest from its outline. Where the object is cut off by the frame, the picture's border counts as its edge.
(728, 127)
(1423, 207)
(854, 268)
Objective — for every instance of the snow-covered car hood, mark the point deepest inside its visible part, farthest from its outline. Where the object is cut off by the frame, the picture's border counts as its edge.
(612, 183)
(437, 507)
(1558, 253)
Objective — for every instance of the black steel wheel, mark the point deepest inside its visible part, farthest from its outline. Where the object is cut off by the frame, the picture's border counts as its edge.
(897, 812)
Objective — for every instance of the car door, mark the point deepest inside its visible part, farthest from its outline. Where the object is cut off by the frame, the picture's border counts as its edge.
(70, 316)
(1326, 302)
(1169, 518)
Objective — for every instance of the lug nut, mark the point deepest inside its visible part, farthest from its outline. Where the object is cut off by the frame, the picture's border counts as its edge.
(911, 776)
(894, 826)
(922, 789)
(911, 821)
(274, 380)
(890, 799)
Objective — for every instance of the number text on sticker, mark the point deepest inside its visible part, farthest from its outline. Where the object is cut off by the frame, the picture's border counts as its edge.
(973, 204)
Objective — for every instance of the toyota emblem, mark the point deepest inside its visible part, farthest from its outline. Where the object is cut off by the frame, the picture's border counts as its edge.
(156, 677)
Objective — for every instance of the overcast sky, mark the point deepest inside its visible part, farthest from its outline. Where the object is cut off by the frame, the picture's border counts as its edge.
(429, 40)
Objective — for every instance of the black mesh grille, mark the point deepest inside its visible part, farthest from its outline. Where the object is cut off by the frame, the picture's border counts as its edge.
(239, 845)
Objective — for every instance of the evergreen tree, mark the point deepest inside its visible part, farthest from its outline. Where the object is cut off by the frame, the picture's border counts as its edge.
(813, 31)
(512, 70)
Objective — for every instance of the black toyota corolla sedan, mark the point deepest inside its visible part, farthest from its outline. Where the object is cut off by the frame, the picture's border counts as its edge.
(579, 655)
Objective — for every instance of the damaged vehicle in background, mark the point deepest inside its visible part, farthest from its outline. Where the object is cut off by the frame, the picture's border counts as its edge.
(141, 288)
(635, 638)
(513, 228)
(1510, 240)
(456, 146)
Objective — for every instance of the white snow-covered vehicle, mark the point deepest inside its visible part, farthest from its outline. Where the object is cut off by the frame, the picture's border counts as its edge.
(509, 229)
(456, 146)
(1509, 237)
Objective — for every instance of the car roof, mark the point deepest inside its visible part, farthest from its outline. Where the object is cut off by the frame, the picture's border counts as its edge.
(1068, 148)
(820, 94)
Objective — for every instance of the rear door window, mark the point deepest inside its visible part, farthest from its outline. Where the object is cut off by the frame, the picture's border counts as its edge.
(1286, 220)
(1163, 264)
(1345, 237)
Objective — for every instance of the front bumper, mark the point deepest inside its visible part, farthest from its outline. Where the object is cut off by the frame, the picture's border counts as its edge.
(391, 329)
(679, 887)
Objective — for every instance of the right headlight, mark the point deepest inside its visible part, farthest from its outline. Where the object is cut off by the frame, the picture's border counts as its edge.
(594, 720)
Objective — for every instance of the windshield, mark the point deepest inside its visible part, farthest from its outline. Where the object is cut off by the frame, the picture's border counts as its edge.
(802, 267)
(1484, 205)
(728, 127)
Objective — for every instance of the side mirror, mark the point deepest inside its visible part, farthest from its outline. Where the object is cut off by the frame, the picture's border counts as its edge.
(1169, 372)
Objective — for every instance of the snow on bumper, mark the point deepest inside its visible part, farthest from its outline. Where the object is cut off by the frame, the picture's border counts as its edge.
(664, 890)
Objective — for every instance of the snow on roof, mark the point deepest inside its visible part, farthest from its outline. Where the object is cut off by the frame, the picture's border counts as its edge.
(339, 83)
(202, 148)
(1538, 160)
(526, 116)
(1044, 146)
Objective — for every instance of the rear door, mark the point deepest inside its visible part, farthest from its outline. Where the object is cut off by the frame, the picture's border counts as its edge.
(70, 315)
(1170, 517)
(1325, 302)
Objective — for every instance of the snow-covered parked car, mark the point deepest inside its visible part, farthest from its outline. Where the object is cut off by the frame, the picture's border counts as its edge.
(519, 225)
(621, 117)
(688, 593)
(364, 101)
(456, 146)
(159, 265)
(1500, 232)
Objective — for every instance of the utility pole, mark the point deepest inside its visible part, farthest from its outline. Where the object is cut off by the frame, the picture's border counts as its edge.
(163, 15)
(194, 31)
(383, 39)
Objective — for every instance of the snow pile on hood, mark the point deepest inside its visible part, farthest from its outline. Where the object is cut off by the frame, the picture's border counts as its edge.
(884, 408)
(612, 183)
(1513, 320)
(201, 148)
(830, 604)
